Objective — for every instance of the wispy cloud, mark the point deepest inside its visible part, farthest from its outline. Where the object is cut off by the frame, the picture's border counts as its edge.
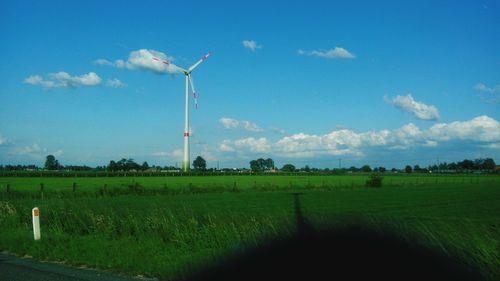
(4, 140)
(489, 94)
(251, 44)
(176, 154)
(64, 80)
(34, 151)
(230, 123)
(143, 60)
(335, 53)
(483, 88)
(277, 130)
(482, 130)
(419, 109)
(27, 150)
(115, 83)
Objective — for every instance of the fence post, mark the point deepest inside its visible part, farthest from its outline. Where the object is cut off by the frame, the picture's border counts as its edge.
(41, 190)
(74, 187)
(8, 188)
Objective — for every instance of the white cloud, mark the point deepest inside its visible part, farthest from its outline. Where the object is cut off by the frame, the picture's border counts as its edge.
(336, 53)
(143, 59)
(482, 130)
(226, 146)
(419, 109)
(251, 44)
(64, 80)
(251, 144)
(230, 123)
(115, 83)
(489, 94)
(483, 88)
(104, 62)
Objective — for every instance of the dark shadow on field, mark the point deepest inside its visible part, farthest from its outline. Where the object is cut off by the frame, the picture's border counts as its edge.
(348, 252)
(352, 253)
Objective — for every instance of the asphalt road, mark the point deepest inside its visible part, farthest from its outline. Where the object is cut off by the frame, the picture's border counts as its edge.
(17, 269)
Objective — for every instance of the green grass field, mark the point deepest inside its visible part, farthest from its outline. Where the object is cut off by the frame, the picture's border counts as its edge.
(168, 234)
(242, 182)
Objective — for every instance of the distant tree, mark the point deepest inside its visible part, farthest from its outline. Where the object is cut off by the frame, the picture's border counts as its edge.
(366, 169)
(144, 166)
(112, 166)
(199, 164)
(417, 169)
(382, 169)
(466, 165)
(288, 168)
(261, 164)
(442, 166)
(51, 163)
(435, 168)
(452, 166)
(408, 169)
(254, 166)
(269, 164)
(352, 169)
(307, 169)
(130, 164)
(489, 164)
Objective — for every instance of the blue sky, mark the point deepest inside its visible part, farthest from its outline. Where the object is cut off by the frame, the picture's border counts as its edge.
(311, 82)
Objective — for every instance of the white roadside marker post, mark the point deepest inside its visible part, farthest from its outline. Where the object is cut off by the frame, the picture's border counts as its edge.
(36, 223)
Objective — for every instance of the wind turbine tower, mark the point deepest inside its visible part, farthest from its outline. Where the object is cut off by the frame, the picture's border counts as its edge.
(189, 81)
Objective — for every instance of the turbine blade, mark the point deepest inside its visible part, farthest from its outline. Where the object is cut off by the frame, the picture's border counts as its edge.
(200, 61)
(160, 60)
(194, 91)
(168, 63)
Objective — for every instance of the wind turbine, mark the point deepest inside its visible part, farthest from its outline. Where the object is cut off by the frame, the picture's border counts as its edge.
(189, 81)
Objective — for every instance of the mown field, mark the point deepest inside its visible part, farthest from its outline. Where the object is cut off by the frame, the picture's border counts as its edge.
(167, 226)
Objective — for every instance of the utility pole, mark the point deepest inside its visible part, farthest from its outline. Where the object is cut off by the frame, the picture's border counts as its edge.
(340, 163)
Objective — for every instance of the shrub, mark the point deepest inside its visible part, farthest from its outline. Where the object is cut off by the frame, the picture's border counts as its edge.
(375, 180)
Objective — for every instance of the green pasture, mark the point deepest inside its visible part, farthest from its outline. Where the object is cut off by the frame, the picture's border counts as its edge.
(241, 182)
(169, 235)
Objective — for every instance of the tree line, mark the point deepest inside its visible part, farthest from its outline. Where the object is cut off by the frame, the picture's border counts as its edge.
(262, 165)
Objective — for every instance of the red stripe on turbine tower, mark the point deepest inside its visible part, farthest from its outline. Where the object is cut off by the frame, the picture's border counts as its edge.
(186, 134)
